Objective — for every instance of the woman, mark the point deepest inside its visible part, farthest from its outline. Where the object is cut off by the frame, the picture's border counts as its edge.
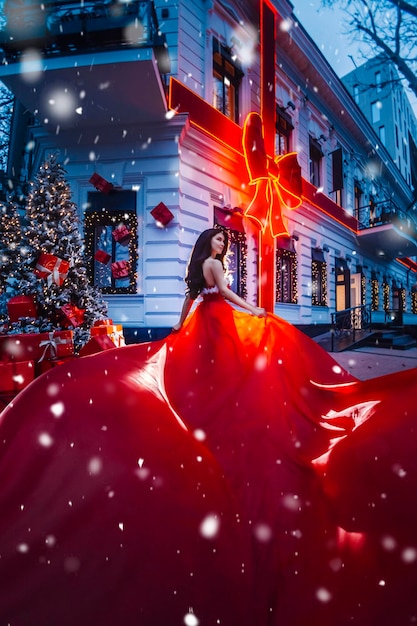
(230, 474)
(206, 273)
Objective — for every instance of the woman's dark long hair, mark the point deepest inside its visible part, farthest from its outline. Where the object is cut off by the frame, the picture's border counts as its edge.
(202, 250)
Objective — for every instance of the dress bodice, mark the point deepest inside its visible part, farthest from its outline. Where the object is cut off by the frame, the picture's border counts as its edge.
(207, 291)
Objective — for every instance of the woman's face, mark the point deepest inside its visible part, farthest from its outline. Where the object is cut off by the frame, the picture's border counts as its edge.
(217, 243)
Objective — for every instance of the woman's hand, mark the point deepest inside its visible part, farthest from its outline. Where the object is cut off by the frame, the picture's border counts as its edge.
(259, 311)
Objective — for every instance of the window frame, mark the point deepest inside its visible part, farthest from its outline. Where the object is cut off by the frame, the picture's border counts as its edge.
(283, 132)
(286, 280)
(95, 217)
(225, 68)
(315, 160)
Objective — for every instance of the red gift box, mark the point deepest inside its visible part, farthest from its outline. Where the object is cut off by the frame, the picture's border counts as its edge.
(37, 346)
(114, 331)
(15, 376)
(122, 234)
(97, 344)
(162, 214)
(120, 269)
(105, 322)
(21, 306)
(100, 183)
(48, 364)
(72, 315)
(52, 268)
(102, 257)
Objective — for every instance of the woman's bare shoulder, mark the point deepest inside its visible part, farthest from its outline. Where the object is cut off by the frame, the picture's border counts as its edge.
(210, 262)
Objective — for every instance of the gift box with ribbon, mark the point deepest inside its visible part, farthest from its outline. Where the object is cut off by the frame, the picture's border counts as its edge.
(105, 322)
(162, 214)
(102, 257)
(37, 346)
(72, 315)
(52, 268)
(122, 234)
(114, 331)
(15, 375)
(21, 306)
(100, 183)
(120, 269)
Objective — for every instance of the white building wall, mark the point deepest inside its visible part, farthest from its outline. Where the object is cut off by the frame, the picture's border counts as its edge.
(191, 173)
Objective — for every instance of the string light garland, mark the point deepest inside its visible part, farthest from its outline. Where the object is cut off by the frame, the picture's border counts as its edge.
(319, 283)
(374, 294)
(414, 301)
(386, 295)
(363, 288)
(286, 276)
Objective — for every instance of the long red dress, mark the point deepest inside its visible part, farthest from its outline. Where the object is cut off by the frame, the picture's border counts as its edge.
(231, 474)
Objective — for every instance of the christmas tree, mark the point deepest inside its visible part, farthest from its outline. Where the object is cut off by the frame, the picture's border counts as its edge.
(56, 253)
(11, 255)
(16, 277)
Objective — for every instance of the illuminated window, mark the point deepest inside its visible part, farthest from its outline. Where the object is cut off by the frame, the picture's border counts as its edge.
(374, 292)
(227, 77)
(386, 293)
(286, 276)
(111, 241)
(414, 299)
(318, 278)
(238, 251)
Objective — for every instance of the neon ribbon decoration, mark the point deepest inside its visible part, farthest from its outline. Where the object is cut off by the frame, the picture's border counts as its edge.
(278, 181)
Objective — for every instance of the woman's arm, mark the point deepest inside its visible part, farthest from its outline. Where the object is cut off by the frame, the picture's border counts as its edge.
(216, 269)
(187, 304)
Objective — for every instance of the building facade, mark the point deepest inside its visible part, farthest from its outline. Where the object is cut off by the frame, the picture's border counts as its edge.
(147, 104)
(378, 91)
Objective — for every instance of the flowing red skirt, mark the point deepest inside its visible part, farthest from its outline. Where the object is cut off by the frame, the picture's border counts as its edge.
(231, 474)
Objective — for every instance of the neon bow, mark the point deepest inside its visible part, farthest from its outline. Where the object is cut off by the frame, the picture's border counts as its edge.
(278, 181)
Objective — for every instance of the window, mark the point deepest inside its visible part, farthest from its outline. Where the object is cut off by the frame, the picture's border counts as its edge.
(382, 134)
(318, 278)
(376, 111)
(286, 275)
(414, 299)
(356, 93)
(337, 175)
(227, 77)
(111, 241)
(386, 295)
(316, 156)
(378, 81)
(283, 130)
(358, 193)
(237, 248)
(374, 292)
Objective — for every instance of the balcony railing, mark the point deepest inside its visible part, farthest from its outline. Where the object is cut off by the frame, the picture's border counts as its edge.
(350, 321)
(386, 212)
(72, 26)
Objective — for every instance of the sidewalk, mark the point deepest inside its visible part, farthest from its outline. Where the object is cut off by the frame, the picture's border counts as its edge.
(368, 362)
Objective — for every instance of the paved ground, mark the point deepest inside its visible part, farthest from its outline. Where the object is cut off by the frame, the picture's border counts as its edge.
(367, 362)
